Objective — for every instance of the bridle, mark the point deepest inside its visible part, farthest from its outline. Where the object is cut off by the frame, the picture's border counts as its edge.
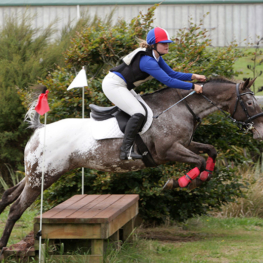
(246, 125)
(249, 119)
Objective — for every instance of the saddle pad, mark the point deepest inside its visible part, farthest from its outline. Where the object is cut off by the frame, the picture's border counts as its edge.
(109, 129)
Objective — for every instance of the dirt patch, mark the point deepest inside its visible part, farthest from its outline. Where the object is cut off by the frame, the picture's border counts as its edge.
(21, 251)
(170, 236)
(25, 244)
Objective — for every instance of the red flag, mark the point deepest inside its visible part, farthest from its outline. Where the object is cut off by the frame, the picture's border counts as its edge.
(42, 104)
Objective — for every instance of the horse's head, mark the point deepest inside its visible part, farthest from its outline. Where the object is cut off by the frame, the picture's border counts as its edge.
(246, 109)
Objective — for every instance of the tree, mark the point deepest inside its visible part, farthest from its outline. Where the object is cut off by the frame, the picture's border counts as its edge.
(26, 55)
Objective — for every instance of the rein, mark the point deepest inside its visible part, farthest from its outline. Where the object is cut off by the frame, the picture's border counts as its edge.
(246, 125)
(155, 117)
(197, 119)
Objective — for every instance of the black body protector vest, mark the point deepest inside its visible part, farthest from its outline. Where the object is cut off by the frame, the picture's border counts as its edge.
(130, 68)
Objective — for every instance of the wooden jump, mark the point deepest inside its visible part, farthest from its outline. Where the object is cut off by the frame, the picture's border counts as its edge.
(94, 218)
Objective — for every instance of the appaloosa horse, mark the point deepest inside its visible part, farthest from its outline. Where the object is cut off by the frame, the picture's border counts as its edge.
(69, 143)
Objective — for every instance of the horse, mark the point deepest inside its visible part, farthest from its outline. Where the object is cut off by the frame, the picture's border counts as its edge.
(69, 142)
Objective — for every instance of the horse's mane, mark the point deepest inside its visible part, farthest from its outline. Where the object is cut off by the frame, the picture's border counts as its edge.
(218, 79)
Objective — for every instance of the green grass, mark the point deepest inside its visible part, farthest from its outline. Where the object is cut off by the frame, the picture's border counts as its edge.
(201, 239)
(204, 239)
(241, 65)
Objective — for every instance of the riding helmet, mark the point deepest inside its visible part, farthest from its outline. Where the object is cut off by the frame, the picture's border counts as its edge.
(158, 35)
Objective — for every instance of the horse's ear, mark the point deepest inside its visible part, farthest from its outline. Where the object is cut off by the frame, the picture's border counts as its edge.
(245, 84)
(251, 82)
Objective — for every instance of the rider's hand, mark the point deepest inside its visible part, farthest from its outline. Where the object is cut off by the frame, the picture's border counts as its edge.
(198, 88)
(199, 77)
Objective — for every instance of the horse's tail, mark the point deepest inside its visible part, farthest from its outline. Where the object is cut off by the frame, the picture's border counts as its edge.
(32, 117)
(11, 194)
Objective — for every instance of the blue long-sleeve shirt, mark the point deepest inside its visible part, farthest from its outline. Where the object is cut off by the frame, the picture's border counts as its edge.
(163, 73)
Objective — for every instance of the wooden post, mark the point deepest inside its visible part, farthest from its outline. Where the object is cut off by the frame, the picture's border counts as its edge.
(115, 238)
(127, 230)
(97, 247)
(43, 253)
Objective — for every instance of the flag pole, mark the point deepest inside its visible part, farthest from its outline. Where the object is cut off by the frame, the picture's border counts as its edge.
(42, 108)
(80, 81)
(42, 191)
(83, 118)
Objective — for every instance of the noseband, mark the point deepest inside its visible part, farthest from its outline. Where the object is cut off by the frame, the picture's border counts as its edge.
(243, 125)
(247, 124)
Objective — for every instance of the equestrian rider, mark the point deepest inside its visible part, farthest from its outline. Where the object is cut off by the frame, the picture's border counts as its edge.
(142, 64)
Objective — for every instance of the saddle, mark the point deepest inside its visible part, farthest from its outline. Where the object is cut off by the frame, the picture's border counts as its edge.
(110, 122)
(99, 113)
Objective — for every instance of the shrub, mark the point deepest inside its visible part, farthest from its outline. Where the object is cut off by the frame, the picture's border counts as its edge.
(251, 205)
(26, 55)
(22, 48)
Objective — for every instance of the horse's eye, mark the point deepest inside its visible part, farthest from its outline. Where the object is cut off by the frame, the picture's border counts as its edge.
(249, 103)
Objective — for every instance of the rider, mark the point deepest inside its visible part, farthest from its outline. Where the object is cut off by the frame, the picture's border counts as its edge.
(142, 64)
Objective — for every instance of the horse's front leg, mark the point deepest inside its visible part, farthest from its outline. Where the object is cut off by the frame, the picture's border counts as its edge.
(179, 153)
(205, 175)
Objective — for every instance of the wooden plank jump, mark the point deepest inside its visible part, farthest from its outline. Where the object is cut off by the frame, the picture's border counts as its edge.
(95, 218)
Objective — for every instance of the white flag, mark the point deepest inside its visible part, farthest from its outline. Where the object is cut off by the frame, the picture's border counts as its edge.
(79, 81)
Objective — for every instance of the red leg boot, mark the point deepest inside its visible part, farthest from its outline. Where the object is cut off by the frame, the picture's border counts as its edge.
(186, 179)
(210, 165)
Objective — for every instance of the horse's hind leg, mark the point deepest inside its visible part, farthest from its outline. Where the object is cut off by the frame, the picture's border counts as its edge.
(26, 198)
(11, 194)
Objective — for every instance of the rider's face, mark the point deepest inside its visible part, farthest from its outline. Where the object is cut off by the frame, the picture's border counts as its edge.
(163, 48)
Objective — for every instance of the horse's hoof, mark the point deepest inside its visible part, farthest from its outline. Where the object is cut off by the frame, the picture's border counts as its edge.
(209, 177)
(2, 253)
(195, 183)
(170, 184)
(192, 185)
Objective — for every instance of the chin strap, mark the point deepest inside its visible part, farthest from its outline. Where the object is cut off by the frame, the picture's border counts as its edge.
(155, 48)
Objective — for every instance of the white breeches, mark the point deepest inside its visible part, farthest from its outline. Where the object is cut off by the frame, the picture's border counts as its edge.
(115, 89)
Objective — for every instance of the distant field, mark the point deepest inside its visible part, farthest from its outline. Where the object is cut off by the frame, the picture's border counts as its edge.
(241, 64)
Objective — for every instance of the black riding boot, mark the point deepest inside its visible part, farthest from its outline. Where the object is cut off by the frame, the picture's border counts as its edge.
(132, 128)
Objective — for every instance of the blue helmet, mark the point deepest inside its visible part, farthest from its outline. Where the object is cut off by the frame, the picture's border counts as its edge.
(158, 35)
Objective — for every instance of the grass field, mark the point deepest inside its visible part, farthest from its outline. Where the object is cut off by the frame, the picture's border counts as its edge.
(202, 239)
(241, 65)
